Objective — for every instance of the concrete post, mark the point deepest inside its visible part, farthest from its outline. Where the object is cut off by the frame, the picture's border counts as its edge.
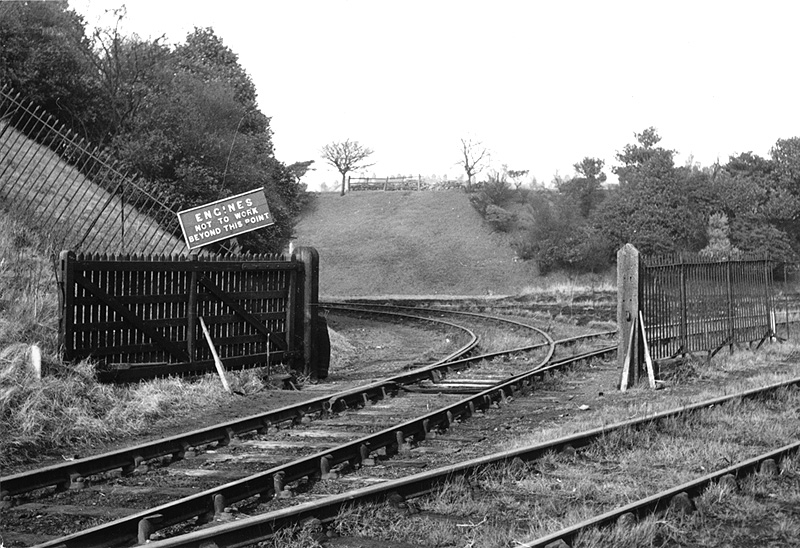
(628, 307)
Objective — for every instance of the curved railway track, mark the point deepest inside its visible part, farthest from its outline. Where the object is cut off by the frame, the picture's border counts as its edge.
(248, 531)
(379, 436)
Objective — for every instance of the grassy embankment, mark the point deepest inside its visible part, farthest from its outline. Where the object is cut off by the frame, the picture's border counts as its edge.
(60, 198)
(67, 410)
(413, 243)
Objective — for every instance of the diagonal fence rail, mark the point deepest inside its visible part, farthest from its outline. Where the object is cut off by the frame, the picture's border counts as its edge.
(76, 193)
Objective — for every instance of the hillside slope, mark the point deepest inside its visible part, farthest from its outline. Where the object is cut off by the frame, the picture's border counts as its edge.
(54, 198)
(408, 243)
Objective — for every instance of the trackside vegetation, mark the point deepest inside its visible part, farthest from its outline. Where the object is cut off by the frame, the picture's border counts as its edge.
(67, 410)
(576, 224)
(504, 505)
(128, 95)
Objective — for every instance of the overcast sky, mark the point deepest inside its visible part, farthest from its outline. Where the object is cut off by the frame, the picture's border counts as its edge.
(540, 84)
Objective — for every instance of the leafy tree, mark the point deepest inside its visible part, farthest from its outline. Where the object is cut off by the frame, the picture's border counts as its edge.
(131, 94)
(346, 156)
(657, 206)
(516, 176)
(719, 246)
(759, 205)
(45, 55)
(560, 239)
(585, 189)
(129, 70)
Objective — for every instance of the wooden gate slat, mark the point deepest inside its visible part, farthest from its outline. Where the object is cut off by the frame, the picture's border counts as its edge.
(236, 307)
(132, 318)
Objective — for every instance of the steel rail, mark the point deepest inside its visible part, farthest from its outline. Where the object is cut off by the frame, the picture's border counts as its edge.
(660, 501)
(369, 307)
(63, 475)
(463, 351)
(137, 527)
(250, 530)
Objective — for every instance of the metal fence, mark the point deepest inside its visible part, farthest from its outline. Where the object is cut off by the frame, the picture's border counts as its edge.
(76, 193)
(669, 306)
(694, 304)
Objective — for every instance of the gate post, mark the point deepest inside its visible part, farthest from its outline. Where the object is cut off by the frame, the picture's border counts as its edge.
(628, 310)
(191, 308)
(66, 320)
(316, 344)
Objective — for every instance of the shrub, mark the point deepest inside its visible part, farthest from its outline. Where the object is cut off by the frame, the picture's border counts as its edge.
(499, 218)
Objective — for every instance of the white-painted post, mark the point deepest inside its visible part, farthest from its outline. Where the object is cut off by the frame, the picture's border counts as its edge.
(217, 361)
(36, 361)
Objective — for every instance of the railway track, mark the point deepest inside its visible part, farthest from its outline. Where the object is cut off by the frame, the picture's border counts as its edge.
(370, 433)
(398, 492)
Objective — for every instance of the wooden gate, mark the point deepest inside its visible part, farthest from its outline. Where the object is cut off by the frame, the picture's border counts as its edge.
(138, 316)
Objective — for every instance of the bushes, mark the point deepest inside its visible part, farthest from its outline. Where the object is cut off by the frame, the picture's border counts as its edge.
(499, 218)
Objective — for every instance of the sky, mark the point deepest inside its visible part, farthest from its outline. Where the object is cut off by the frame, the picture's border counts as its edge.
(540, 84)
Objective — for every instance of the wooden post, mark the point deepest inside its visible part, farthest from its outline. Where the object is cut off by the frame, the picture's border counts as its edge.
(310, 302)
(67, 298)
(628, 309)
(191, 309)
(626, 363)
(217, 361)
(651, 374)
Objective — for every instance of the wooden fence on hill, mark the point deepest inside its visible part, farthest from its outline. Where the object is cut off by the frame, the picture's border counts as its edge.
(76, 193)
(386, 183)
(139, 316)
(687, 303)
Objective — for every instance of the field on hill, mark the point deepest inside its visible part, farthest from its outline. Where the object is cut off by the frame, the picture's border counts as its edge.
(409, 243)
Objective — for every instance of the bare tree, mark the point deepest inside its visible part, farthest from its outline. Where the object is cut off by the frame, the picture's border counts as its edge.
(346, 156)
(473, 155)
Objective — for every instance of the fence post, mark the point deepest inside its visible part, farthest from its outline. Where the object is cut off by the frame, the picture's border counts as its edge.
(316, 344)
(628, 308)
(786, 298)
(684, 314)
(730, 304)
(67, 297)
(191, 308)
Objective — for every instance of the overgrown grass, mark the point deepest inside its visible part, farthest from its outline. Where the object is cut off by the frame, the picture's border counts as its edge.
(67, 410)
(519, 501)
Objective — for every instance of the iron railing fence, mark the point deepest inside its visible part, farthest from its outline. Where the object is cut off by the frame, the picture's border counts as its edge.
(694, 304)
(77, 195)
